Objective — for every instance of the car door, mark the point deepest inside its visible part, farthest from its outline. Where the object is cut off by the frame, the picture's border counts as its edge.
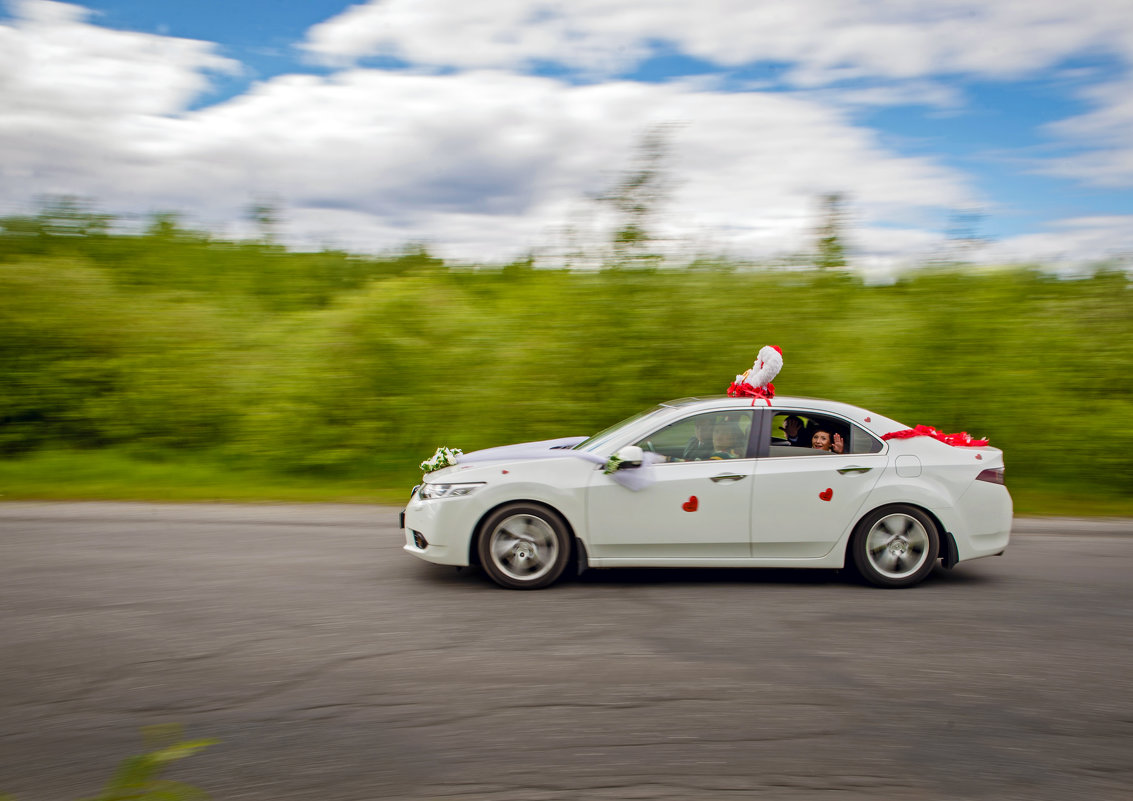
(804, 500)
(698, 508)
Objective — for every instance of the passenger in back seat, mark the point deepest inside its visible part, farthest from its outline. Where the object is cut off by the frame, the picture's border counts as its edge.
(823, 440)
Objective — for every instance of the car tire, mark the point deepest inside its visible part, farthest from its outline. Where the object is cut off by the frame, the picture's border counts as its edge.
(895, 546)
(523, 546)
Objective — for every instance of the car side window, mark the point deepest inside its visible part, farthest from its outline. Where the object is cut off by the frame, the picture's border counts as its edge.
(702, 437)
(812, 434)
(861, 441)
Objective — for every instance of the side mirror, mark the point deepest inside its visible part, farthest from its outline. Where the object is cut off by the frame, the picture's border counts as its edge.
(631, 456)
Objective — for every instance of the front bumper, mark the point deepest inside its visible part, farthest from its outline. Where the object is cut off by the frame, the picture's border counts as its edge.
(440, 530)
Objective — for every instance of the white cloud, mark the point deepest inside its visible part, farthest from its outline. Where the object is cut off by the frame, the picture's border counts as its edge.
(482, 164)
(486, 163)
(479, 164)
(73, 95)
(909, 93)
(1069, 242)
(52, 59)
(823, 40)
(1106, 131)
(898, 52)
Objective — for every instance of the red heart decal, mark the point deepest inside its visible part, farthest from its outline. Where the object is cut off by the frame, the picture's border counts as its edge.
(867, 419)
(504, 472)
(979, 456)
(826, 494)
(691, 505)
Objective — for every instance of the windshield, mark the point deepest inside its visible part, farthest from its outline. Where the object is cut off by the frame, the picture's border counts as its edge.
(602, 437)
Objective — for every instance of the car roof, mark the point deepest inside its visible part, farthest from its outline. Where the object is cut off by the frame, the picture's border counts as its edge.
(868, 419)
(780, 401)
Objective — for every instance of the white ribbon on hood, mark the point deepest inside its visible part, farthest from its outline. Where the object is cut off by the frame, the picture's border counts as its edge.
(633, 478)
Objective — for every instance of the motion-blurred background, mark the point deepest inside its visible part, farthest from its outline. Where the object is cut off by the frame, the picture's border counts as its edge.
(284, 251)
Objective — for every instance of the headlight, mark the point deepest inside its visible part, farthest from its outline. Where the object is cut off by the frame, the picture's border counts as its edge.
(430, 491)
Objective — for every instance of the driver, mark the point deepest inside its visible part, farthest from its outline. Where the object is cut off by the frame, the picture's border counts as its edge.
(700, 444)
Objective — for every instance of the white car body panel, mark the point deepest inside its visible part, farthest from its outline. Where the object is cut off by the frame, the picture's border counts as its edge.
(771, 517)
(449, 523)
(652, 523)
(791, 519)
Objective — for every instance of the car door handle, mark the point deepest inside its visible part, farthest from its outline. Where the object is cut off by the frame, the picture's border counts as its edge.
(727, 477)
(844, 470)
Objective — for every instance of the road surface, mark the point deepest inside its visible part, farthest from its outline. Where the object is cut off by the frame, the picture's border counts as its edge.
(332, 666)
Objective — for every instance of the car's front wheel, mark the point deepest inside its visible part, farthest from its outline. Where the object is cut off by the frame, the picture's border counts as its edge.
(523, 546)
(895, 546)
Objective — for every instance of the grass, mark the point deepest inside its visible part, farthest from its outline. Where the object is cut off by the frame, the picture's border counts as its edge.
(113, 476)
(1060, 502)
(116, 476)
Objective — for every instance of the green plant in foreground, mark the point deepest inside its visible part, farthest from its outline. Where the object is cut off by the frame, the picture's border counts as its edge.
(138, 778)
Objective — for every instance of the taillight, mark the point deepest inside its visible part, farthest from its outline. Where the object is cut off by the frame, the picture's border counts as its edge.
(992, 474)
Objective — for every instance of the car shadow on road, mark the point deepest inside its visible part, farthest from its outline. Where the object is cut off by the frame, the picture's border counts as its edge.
(845, 576)
(625, 576)
(474, 578)
(961, 575)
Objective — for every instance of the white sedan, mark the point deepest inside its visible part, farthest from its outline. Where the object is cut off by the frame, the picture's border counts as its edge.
(718, 482)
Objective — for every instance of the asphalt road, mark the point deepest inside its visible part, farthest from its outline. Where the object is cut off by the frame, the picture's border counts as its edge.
(333, 666)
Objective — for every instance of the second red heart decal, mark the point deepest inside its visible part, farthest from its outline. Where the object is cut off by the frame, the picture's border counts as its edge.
(691, 504)
(826, 494)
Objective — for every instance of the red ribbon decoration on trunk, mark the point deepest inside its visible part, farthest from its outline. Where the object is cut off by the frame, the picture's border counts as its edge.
(961, 440)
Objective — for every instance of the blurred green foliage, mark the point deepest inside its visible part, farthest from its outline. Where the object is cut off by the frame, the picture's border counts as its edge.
(139, 778)
(169, 344)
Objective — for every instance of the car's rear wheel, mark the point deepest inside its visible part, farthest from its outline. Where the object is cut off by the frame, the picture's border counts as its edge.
(895, 546)
(523, 546)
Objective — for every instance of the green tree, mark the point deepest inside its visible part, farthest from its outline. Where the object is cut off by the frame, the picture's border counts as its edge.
(72, 216)
(830, 247)
(636, 197)
(266, 216)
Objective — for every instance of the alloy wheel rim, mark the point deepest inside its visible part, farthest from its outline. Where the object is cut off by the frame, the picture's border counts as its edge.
(897, 546)
(523, 547)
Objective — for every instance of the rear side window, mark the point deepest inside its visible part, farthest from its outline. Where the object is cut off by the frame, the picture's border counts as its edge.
(812, 434)
(861, 441)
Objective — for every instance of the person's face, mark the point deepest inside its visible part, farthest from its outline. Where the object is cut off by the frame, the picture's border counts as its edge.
(792, 426)
(820, 440)
(703, 430)
(727, 440)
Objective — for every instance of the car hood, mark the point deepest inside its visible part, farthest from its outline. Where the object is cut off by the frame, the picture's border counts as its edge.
(469, 464)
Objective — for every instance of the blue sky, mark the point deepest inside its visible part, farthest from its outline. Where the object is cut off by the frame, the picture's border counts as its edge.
(486, 131)
(260, 34)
